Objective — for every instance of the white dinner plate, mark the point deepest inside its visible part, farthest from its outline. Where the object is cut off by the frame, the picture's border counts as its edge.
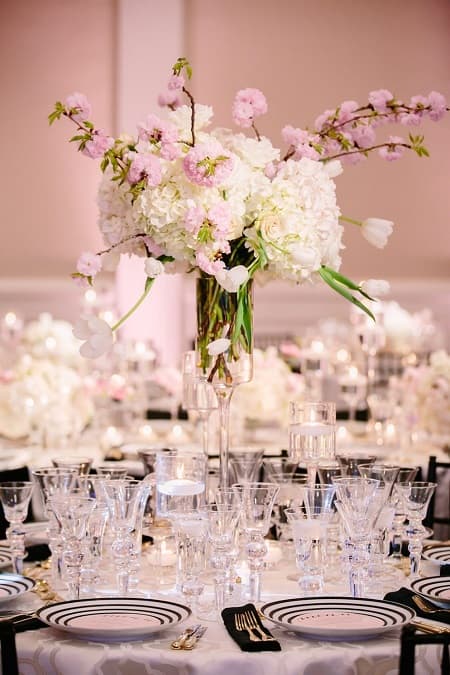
(437, 554)
(5, 556)
(12, 585)
(435, 589)
(335, 618)
(113, 619)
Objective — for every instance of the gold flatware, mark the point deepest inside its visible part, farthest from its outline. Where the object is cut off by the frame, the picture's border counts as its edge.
(429, 628)
(181, 639)
(426, 606)
(253, 625)
(240, 626)
(192, 641)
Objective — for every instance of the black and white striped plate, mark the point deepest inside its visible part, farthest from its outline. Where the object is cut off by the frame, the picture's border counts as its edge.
(5, 556)
(113, 619)
(12, 585)
(335, 618)
(436, 589)
(437, 554)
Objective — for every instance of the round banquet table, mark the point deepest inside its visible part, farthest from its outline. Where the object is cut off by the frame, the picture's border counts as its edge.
(50, 652)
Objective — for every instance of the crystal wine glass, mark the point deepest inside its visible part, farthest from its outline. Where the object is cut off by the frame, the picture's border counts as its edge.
(257, 504)
(15, 498)
(309, 530)
(415, 498)
(198, 396)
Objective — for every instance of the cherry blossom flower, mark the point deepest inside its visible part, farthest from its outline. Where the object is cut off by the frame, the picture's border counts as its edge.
(393, 151)
(89, 264)
(145, 167)
(248, 104)
(379, 99)
(98, 145)
(208, 164)
(78, 102)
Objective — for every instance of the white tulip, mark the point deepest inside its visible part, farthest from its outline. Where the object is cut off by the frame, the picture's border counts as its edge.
(232, 279)
(219, 346)
(305, 256)
(377, 231)
(153, 267)
(97, 336)
(376, 288)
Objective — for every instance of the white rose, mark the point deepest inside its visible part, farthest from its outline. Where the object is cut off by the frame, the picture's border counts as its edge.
(153, 267)
(377, 231)
(272, 228)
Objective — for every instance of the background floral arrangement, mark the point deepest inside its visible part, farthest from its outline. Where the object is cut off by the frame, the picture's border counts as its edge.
(427, 394)
(187, 197)
(41, 398)
(266, 398)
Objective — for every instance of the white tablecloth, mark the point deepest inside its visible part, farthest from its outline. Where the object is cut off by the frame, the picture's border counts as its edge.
(49, 652)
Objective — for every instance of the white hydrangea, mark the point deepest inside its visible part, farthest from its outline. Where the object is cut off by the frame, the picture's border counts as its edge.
(299, 221)
(181, 118)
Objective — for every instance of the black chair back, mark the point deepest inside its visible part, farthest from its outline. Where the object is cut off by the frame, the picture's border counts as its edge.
(438, 472)
(410, 639)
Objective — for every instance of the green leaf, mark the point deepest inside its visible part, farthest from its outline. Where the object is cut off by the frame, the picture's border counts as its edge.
(342, 290)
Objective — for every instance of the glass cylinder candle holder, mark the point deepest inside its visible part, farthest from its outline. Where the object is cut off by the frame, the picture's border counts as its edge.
(180, 483)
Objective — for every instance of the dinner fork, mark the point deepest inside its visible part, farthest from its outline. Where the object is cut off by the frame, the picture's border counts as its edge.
(252, 624)
(240, 625)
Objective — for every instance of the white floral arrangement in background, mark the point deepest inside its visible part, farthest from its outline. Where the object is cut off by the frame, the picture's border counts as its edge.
(52, 339)
(266, 398)
(408, 332)
(39, 397)
(426, 394)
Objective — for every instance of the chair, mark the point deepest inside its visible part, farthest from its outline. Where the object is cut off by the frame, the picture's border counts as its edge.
(20, 474)
(410, 639)
(435, 475)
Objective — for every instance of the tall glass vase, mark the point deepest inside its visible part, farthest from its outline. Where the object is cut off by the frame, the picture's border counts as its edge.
(224, 348)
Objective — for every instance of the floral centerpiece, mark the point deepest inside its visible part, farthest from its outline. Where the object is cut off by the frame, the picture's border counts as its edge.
(265, 400)
(186, 196)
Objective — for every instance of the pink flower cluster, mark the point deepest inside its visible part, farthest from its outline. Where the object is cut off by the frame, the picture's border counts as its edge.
(162, 134)
(172, 96)
(208, 164)
(98, 144)
(145, 167)
(248, 104)
(89, 264)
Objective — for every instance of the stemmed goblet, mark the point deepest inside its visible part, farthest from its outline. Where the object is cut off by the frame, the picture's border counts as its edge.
(222, 524)
(126, 501)
(198, 396)
(53, 481)
(72, 512)
(257, 501)
(15, 497)
(415, 498)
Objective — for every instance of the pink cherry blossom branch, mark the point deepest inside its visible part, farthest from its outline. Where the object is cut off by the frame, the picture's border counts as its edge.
(192, 104)
(358, 151)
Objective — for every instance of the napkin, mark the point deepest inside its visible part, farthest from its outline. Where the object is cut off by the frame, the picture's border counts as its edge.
(445, 571)
(404, 597)
(37, 552)
(241, 637)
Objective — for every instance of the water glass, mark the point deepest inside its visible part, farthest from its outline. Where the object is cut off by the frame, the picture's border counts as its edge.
(191, 529)
(312, 434)
(309, 530)
(415, 498)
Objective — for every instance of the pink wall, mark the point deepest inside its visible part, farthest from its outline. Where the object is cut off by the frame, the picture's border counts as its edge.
(48, 49)
(310, 55)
